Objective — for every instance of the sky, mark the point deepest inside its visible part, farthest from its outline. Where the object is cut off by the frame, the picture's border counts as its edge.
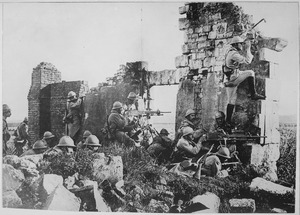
(88, 41)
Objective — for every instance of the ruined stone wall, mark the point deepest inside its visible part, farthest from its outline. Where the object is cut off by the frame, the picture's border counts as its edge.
(43, 75)
(208, 29)
(47, 100)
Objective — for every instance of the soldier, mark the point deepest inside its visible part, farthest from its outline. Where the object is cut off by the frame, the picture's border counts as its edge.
(117, 125)
(22, 136)
(233, 59)
(65, 146)
(213, 163)
(39, 147)
(128, 107)
(92, 143)
(190, 121)
(73, 116)
(186, 148)
(48, 137)
(131, 103)
(85, 135)
(223, 130)
(161, 147)
(6, 112)
(221, 125)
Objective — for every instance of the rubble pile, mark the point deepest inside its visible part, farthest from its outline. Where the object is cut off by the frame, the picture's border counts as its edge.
(145, 187)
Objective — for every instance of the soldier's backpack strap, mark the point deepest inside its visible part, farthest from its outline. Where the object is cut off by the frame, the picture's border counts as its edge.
(225, 69)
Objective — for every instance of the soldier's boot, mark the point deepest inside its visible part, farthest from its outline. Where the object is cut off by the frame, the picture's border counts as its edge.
(253, 94)
(229, 113)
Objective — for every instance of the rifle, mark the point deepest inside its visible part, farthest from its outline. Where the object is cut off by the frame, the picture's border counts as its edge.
(247, 31)
(230, 163)
(187, 164)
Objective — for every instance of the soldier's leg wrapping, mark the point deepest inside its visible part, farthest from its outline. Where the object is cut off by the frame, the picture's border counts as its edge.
(232, 96)
(19, 147)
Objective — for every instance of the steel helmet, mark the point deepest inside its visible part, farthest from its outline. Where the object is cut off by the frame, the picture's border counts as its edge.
(86, 133)
(39, 144)
(5, 108)
(66, 141)
(224, 152)
(25, 119)
(164, 131)
(236, 39)
(189, 112)
(187, 131)
(48, 135)
(131, 95)
(117, 105)
(92, 140)
(219, 114)
(71, 95)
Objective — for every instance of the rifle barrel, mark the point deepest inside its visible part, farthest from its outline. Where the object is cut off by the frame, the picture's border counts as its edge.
(230, 163)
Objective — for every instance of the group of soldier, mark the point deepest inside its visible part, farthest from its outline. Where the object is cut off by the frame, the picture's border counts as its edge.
(125, 124)
(48, 145)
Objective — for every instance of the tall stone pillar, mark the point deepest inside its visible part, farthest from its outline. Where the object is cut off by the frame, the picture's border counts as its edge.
(43, 75)
(267, 153)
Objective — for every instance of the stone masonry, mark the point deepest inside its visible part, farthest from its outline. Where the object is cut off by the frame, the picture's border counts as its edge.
(43, 75)
(47, 99)
(208, 29)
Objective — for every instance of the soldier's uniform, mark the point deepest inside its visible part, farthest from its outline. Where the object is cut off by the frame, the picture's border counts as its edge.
(117, 127)
(188, 149)
(233, 59)
(52, 152)
(6, 112)
(28, 152)
(198, 132)
(161, 147)
(21, 136)
(5, 136)
(73, 117)
(213, 163)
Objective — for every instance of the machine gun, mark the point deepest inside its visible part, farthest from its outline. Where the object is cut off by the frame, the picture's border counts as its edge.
(147, 112)
(236, 138)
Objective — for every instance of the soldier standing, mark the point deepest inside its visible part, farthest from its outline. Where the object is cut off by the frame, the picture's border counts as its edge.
(73, 116)
(6, 112)
(22, 136)
(233, 59)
